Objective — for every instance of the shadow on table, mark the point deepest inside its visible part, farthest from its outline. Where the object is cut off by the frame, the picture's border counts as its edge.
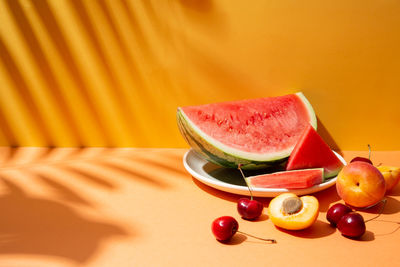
(392, 206)
(395, 191)
(322, 229)
(236, 239)
(318, 230)
(96, 166)
(367, 236)
(39, 226)
(50, 223)
(225, 195)
(327, 197)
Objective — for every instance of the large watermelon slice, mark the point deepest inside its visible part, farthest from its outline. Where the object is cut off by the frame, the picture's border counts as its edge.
(255, 133)
(312, 152)
(298, 179)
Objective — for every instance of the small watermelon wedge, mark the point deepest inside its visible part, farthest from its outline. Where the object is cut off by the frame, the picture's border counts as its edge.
(297, 179)
(255, 133)
(311, 151)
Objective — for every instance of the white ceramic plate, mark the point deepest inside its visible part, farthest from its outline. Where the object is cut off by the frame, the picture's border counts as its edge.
(230, 180)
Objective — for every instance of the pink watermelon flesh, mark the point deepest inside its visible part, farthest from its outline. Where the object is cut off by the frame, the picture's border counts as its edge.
(312, 152)
(261, 125)
(298, 179)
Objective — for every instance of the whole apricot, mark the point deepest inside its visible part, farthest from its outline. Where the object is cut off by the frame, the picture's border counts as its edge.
(360, 184)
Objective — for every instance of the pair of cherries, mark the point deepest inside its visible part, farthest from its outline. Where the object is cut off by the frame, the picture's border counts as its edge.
(225, 227)
(350, 224)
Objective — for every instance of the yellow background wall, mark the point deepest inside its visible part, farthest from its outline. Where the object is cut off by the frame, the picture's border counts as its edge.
(112, 73)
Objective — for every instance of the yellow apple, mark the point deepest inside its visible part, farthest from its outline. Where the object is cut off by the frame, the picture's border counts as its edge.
(391, 175)
(360, 184)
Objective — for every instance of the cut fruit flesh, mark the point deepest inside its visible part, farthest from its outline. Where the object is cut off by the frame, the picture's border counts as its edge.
(299, 220)
(297, 179)
(255, 133)
(311, 151)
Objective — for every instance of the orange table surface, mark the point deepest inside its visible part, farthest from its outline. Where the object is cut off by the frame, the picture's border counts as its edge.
(139, 207)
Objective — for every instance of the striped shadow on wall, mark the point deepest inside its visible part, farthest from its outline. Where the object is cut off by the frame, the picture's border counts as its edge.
(79, 73)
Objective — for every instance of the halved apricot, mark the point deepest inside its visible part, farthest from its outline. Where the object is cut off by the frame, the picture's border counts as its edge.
(291, 212)
(391, 175)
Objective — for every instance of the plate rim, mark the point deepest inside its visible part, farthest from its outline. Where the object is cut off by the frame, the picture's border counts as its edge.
(258, 192)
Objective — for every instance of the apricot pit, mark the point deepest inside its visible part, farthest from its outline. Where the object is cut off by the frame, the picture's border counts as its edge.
(292, 205)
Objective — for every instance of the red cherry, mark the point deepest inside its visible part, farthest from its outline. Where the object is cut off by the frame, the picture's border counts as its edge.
(336, 212)
(362, 159)
(249, 209)
(224, 228)
(367, 160)
(352, 225)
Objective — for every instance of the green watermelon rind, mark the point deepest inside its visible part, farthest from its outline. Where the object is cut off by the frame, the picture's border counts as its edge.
(310, 109)
(330, 174)
(219, 157)
(218, 153)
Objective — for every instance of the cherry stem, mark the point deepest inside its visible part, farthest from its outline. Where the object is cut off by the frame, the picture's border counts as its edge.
(259, 238)
(244, 178)
(380, 211)
(369, 152)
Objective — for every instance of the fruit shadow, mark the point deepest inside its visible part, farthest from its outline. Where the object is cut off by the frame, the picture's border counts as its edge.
(226, 195)
(231, 176)
(327, 197)
(322, 229)
(319, 229)
(236, 239)
(239, 238)
(367, 236)
(390, 230)
(395, 191)
(324, 133)
(392, 206)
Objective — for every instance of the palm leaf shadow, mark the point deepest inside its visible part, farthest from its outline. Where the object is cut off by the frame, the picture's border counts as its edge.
(51, 225)
(39, 226)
